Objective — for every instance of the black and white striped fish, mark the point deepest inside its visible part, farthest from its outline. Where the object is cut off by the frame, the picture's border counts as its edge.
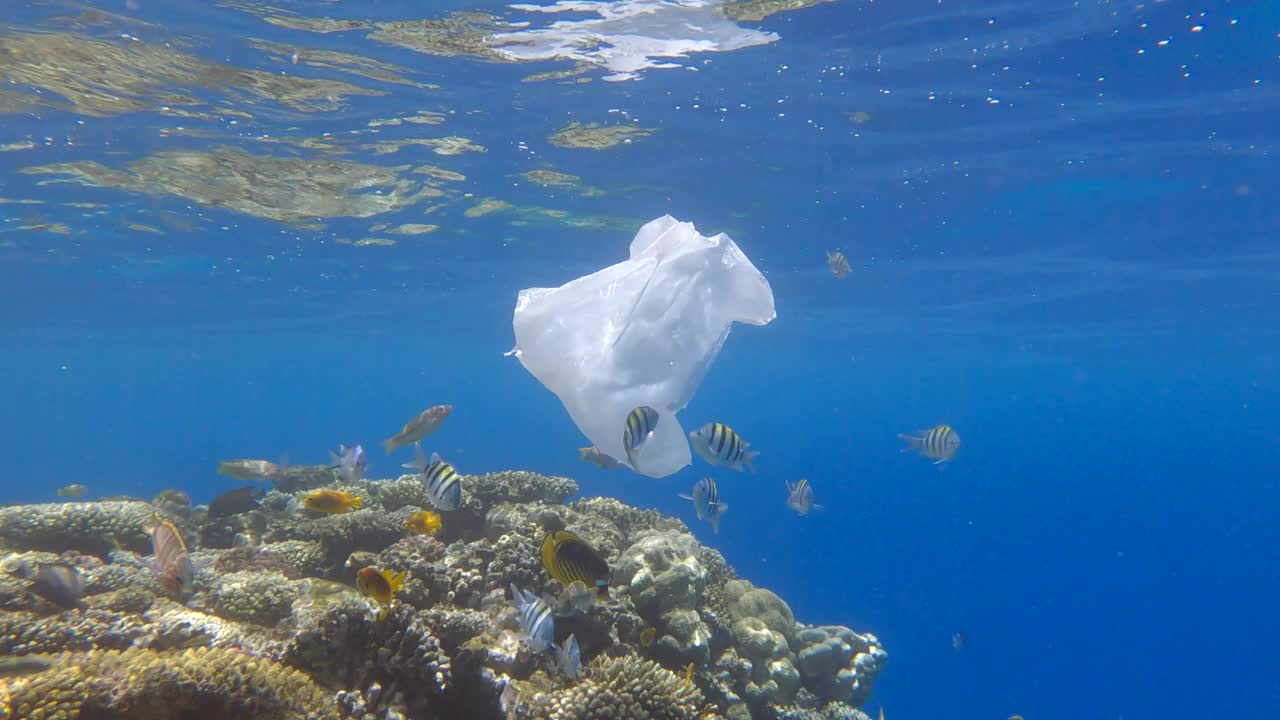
(718, 444)
(939, 444)
(535, 619)
(444, 489)
(641, 422)
(838, 264)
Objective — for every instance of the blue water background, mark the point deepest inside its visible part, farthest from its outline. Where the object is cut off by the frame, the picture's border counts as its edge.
(1081, 280)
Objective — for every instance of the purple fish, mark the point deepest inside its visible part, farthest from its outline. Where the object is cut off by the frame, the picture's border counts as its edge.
(350, 463)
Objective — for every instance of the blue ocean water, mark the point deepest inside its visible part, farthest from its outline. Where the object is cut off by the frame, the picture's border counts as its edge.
(1061, 219)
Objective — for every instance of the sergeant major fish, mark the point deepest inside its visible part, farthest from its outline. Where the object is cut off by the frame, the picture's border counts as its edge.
(349, 461)
(172, 563)
(800, 497)
(939, 444)
(536, 623)
(427, 422)
(838, 264)
(641, 422)
(718, 444)
(706, 502)
(444, 489)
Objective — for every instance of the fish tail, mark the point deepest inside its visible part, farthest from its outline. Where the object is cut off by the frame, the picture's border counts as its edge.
(715, 523)
(749, 458)
(389, 445)
(912, 442)
(356, 502)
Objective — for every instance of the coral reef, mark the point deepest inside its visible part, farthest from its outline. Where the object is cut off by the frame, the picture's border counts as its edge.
(274, 608)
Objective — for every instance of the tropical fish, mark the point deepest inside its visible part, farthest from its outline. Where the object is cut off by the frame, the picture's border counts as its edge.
(688, 675)
(939, 444)
(800, 497)
(569, 658)
(509, 700)
(568, 558)
(349, 461)
(838, 264)
(234, 502)
(641, 422)
(380, 585)
(249, 469)
(332, 502)
(706, 502)
(594, 456)
(74, 490)
(444, 490)
(535, 619)
(575, 599)
(718, 444)
(14, 666)
(647, 635)
(59, 583)
(427, 422)
(173, 565)
(959, 641)
(423, 522)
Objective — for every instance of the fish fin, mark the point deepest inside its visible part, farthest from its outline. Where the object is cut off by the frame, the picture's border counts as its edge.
(715, 521)
(356, 502)
(685, 497)
(435, 458)
(584, 453)
(912, 442)
(816, 506)
(748, 459)
(419, 459)
(388, 445)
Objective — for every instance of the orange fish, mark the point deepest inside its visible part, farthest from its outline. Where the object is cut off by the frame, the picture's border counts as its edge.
(424, 522)
(332, 501)
(380, 585)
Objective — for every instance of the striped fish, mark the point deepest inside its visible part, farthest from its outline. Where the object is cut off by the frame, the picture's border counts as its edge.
(535, 619)
(800, 496)
(444, 488)
(173, 565)
(939, 444)
(641, 422)
(838, 264)
(706, 502)
(718, 444)
(568, 558)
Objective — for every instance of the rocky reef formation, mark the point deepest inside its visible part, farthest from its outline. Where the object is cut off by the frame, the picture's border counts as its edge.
(275, 609)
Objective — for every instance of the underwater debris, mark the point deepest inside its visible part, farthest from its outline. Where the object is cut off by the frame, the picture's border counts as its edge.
(594, 136)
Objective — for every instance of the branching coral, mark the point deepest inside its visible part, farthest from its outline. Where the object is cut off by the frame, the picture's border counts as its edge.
(626, 688)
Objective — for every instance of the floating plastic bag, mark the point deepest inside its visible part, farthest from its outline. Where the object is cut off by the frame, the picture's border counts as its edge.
(642, 332)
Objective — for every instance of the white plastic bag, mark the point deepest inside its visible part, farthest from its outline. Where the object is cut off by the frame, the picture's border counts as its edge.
(642, 332)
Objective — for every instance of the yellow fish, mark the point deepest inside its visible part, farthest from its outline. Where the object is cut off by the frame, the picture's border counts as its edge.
(423, 522)
(380, 585)
(688, 675)
(647, 635)
(567, 557)
(332, 501)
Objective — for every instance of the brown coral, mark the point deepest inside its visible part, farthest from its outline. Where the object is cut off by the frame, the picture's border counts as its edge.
(198, 684)
(627, 687)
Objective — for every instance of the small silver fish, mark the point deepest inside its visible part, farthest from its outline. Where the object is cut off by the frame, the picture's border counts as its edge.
(535, 619)
(640, 424)
(718, 444)
(838, 264)
(940, 444)
(427, 422)
(800, 497)
(594, 456)
(706, 502)
(569, 658)
(509, 701)
(349, 461)
(575, 599)
(250, 470)
(74, 490)
(14, 666)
